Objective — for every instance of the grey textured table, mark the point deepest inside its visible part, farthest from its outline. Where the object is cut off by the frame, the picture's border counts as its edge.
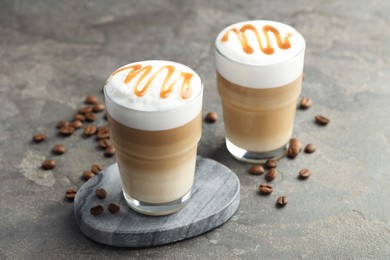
(53, 54)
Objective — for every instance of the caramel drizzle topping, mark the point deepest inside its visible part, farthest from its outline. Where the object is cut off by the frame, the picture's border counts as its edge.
(166, 89)
(285, 44)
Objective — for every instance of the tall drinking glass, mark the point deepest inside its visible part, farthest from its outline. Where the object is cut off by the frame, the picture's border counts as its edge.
(154, 114)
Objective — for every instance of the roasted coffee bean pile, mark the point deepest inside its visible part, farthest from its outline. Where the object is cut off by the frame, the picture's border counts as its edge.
(99, 209)
(84, 118)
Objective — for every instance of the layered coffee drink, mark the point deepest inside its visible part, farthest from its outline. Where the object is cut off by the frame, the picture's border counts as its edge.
(259, 76)
(154, 113)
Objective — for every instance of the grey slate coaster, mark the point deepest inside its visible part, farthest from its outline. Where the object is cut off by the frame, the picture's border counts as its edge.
(215, 198)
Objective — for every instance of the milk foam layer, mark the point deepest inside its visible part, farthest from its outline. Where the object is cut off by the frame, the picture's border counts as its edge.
(172, 98)
(255, 66)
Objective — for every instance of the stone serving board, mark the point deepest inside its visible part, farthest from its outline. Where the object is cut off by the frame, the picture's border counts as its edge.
(215, 198)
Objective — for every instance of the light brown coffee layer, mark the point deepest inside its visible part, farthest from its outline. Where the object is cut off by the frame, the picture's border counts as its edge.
(258, 120)
(156, 166)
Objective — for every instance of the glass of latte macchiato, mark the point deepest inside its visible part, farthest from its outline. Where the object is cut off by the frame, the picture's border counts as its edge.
(154, 113)
(259, 74)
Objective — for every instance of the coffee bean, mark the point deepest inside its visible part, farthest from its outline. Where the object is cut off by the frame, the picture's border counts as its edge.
(76, 124)
(90, 116)
(39, 137)
(113, 208)
(104, 143)
(96, 168)
(85, 110)
(110, 151)
(87, 175)
(211, 117)
(102, 128)
(79, 117)
(295, 142)
(292, 152)
(265, 188)
(304, 173)
(58, 149)
(271, 163)
(66, 130)
(310, 148)
(101, 193)
(98, 107)
(321, 120)
(271, 174)
(62, 123)
(97, 210)
(104, 133)
(305, 103)
(91, 100)
(281, 201)
(89, 130)
(256, 170)
(48, 164)
(70, 193)
(105, 116)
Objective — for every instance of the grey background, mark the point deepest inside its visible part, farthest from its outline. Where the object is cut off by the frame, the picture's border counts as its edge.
(54, 53)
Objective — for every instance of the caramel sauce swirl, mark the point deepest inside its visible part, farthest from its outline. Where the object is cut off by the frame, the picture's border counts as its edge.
(282, 44)
(166, 89)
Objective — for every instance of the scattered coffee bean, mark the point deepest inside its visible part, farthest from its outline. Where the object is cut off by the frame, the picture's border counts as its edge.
(101, 193)
(105, 116)
(91, 100)
(104, 133)
(292, 152)
(310, 148)
(265, 188)
(62, 123)
(79, 117)
(294, 148)
(76, 124)
(96, 168)
(66, 130)
(113, 208)
(321, 120)
(271, 163)
(90, 117)
(104, 143)
(97, 210)
(39, 137)
(70, 193)
(58, 149)
(48, 164)
(295, 142)
(271, 174)
(281, 201)
(89, 130)
(98, 107)
(102, 128)
(256, 170)
(87, 175)
(305, 103)
(85, 110)
(211, 117)
(304, 173)
(110, 151)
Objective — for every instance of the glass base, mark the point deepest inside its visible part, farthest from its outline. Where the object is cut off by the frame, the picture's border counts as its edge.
(157, 209)
(255, 157)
